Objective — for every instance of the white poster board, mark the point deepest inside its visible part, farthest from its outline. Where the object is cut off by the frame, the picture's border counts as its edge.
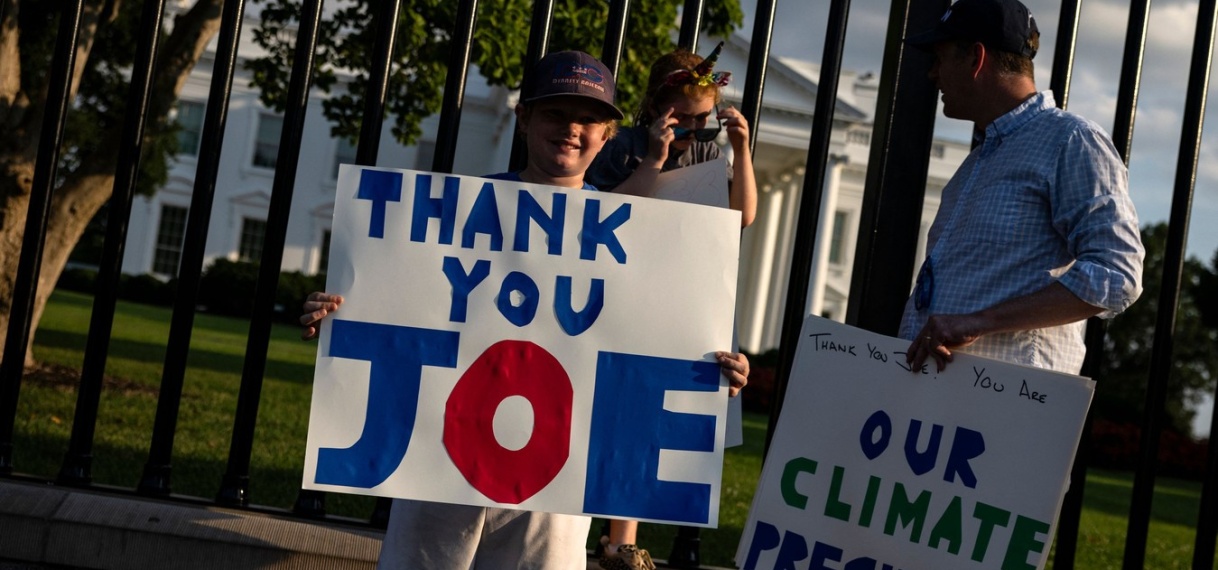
(874, 466)
(521, 346)
(705, 183)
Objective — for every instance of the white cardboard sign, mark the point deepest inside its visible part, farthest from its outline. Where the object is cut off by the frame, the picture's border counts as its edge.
(522, 346)
(873, 466)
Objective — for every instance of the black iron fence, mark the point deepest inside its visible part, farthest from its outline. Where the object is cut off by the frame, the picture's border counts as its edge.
(886, 242)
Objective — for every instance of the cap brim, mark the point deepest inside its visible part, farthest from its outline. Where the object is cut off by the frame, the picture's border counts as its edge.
(611, 109)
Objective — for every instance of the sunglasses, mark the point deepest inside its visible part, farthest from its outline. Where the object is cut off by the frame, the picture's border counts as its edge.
(924, 290)
(700, 135)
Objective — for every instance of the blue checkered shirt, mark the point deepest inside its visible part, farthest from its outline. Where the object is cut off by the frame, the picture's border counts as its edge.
(1043, 198)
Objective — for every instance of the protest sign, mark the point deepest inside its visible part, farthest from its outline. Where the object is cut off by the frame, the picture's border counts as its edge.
(515, 345)
(705, 183)
(874, 466)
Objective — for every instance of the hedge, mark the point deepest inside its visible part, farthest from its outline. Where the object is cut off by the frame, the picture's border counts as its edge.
(225, 287)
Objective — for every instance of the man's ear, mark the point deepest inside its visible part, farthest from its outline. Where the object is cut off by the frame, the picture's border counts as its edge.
(977, 58)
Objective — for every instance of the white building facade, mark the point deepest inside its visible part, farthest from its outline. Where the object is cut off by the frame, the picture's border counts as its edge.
(251, 142)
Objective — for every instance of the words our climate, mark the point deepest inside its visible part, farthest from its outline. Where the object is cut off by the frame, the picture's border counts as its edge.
(946, 515)
(397, 355)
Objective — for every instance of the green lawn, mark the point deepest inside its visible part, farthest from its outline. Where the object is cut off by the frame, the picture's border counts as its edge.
(128, 406)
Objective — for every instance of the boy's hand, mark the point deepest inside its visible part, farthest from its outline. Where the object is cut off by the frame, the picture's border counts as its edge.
(316, 306)
(736, 368)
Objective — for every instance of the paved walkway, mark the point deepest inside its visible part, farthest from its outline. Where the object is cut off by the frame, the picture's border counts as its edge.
(43, 527)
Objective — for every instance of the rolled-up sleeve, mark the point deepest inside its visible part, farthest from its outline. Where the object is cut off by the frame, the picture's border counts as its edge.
(1094, 213)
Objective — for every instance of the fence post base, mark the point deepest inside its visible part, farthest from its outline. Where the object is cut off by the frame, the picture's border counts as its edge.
(685, 547)
(234, 491)
(310, 504)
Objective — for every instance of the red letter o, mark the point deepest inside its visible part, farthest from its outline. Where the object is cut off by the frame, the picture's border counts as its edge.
(509, 368)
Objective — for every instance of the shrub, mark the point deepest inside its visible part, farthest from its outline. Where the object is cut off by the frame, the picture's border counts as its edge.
(1117, 445)
(147, 289)
(758, 396)
(227, 287)
(77, 279)
(294, 286)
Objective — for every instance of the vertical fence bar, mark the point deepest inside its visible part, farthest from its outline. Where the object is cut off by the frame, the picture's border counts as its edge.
(1169, 294)
(896, 174)
(1156, 394)
(77, 464)
(1186, 177)
(157, 471)
(376, 89)
(454, 86)
(1131, 77)
(691, 25)
(539, 44)
(234, 488)
(1063, 55)
(759, 57)
(808, 222)
(1066, 547)
(615, 35)
(25, 288)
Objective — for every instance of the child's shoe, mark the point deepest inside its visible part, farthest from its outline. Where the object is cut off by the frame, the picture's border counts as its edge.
(628, 557)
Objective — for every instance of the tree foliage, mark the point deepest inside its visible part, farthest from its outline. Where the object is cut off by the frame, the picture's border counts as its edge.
(1125, 368)
(423, 42)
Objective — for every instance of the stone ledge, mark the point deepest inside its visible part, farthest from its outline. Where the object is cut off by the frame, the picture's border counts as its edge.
(44, 527)
(74, 528)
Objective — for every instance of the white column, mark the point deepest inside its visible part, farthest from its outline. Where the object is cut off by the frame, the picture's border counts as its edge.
(784, 245)
(824, 234)
(756, 288)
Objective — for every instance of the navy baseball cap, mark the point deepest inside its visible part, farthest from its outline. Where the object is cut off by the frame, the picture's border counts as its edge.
(1003, 25)
(571, 73)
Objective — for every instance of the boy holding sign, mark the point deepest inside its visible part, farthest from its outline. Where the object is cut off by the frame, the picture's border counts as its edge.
(566, 114)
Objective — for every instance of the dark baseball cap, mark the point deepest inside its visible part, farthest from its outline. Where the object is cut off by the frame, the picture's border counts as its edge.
(1003, 25)
(571, 74)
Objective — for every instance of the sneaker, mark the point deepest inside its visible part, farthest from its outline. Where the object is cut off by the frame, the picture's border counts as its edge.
(628, 557)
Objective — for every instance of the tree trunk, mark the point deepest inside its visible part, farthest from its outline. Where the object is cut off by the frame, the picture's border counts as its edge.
(82, 193)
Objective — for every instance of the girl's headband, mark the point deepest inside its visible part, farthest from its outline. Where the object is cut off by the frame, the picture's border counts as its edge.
(702, 75)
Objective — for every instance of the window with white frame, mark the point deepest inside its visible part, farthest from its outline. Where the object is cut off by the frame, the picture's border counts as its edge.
(266, 145)
(344, 153)
(189, 120)
(170, 233)
(835, 241)
(253, 233)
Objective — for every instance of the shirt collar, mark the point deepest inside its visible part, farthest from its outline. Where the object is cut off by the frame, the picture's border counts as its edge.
(1014, 119)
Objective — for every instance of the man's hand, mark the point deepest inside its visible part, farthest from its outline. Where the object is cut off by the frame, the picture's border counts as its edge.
(939, 336)
(316, 306)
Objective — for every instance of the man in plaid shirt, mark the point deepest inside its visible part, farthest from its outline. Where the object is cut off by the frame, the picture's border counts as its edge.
(1036, 231)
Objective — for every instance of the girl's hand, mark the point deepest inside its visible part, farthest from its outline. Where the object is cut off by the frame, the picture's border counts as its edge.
(737, 128)
(659, 136)
(736, 368)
